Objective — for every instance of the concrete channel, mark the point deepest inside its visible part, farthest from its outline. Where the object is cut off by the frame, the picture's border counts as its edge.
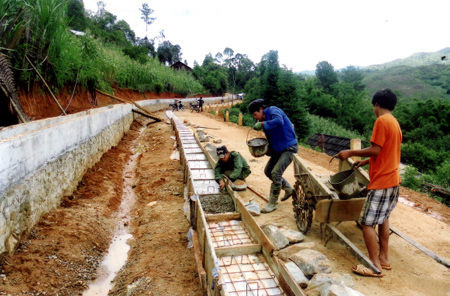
(233, 255)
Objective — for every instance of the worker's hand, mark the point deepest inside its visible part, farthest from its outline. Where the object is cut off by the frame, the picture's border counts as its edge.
(360, 163)
(344, 154)
(221, 184)
(258, 126)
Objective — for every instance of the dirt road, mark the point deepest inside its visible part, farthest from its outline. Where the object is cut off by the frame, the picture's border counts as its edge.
(64, 250)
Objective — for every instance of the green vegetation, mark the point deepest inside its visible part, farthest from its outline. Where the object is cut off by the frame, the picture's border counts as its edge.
(320, 125)
(109, 54)
(330, 102)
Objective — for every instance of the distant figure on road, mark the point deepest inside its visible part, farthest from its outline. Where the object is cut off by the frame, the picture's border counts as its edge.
(200, 104)
(384, 161)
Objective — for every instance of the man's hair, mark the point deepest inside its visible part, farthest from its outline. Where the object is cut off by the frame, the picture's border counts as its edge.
(255, 105)
(385, 98)
(221, 151)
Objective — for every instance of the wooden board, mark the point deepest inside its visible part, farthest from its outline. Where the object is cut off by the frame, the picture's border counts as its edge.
(420, 247)
(238, 250)
(222, 217)
(341, 210)
(360, 256)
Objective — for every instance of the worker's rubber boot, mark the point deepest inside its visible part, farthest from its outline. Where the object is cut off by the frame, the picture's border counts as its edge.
(273, 200)
(288, 192)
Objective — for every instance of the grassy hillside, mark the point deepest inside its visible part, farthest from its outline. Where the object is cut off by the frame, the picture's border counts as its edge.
(415, 60)
(423, 82)
(421, 76)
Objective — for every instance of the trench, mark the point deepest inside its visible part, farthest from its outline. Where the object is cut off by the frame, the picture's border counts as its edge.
(117, 253)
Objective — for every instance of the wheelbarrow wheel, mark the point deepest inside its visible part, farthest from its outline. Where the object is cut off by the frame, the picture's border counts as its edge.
(303, 211)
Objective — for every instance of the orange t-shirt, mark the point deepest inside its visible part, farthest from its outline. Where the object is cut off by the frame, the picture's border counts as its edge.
(383, 169)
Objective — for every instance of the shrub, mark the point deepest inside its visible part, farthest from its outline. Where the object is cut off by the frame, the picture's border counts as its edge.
(442, 174)
(234, 119)
(248, 120)
(411, 178)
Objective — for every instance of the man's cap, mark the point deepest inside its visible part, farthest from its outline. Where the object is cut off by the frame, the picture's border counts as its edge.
(221, 151)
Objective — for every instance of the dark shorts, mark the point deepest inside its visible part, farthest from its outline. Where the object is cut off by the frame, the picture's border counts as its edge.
(378, 206)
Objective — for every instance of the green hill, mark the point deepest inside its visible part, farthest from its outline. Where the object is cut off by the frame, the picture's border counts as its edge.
(415, 60)
(424, 82)
(421, 76)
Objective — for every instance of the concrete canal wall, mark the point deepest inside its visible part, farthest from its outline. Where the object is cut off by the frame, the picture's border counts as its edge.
(42, 161)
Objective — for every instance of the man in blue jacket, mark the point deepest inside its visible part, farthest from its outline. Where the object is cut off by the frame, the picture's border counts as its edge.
(282, 147)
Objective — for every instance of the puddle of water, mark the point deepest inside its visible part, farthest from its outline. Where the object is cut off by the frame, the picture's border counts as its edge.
(118, 250)
(405, 201)
(112, 263)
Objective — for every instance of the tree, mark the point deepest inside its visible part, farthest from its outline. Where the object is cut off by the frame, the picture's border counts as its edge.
(146, 13)
(168, 53)
(245, 70)
(218, 59)
(353, 76)
(149, 44)
(326, 75)
(76, 15)
(269, 71)
(214, 77)
(289, 101)
(138, 53)
(228, 52)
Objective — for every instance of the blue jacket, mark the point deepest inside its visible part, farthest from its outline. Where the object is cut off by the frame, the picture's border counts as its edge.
(278, 129)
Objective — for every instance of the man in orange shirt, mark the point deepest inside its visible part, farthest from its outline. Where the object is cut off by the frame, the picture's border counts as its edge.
(384, 160)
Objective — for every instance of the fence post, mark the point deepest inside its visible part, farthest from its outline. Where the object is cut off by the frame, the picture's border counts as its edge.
(240, 119)
(355, 144)
(227, 116)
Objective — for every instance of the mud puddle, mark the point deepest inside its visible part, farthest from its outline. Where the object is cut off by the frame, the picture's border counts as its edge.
(117, 254)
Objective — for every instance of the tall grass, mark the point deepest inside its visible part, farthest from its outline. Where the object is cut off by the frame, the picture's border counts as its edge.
(64, 58)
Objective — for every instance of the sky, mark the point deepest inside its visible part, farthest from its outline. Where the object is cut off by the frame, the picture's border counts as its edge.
(341, 32)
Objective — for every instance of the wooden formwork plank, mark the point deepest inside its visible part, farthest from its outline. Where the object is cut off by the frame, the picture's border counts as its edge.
(198, 261)
(360, 256)
(238, 250)
(255, 231)
(222, 217)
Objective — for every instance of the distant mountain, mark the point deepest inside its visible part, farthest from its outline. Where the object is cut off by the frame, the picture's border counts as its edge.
(422, 75)
(307, 72)
(418, 59)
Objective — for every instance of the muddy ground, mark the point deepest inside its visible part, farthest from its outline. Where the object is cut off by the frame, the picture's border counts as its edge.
(64, 250)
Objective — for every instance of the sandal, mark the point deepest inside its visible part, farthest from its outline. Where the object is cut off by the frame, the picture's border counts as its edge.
(364, 271)
(387, 267)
